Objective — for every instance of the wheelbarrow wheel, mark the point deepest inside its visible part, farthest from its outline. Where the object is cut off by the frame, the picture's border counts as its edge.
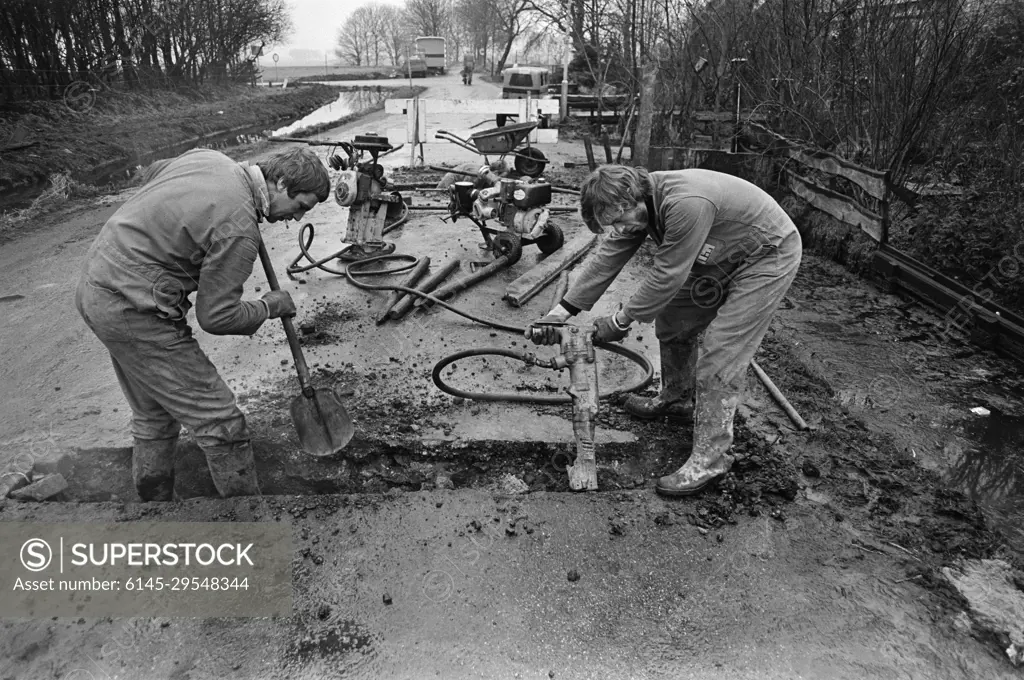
(531, 162)
(508, 245)
(551, 240)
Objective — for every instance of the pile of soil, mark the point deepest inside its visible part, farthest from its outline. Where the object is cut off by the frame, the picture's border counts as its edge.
(122, 127)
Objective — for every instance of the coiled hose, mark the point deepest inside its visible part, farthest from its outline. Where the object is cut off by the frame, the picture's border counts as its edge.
(306, 234)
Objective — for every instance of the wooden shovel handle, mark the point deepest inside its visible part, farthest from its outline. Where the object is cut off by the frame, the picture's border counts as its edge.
(289, 328)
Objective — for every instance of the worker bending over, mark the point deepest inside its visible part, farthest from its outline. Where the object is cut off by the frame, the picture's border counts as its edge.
(193, 227)
(726, 253)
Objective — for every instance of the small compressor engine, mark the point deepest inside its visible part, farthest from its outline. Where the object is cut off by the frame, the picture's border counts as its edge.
(518, 206)
(362, 188)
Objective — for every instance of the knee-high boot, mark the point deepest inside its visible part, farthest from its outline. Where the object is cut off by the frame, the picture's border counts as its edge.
(678, 370)
(712, 438)
(153, 468)
(233, 469)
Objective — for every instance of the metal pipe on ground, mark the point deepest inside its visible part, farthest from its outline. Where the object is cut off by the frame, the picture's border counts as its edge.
(779, 397)
(453, 171)
(426, 286)
(415, 275)
(459, 285)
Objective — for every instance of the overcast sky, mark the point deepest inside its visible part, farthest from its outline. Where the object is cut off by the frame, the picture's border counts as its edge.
(316, 24)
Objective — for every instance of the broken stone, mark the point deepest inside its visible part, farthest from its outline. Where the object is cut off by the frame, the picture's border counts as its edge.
(45, 488)
(387, 598)
(510, 484)
(573, 575)
(15, 476)
(996, 605)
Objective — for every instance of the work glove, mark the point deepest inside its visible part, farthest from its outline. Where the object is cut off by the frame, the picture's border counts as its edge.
(606, 330)
(546, 331)
(279, 303)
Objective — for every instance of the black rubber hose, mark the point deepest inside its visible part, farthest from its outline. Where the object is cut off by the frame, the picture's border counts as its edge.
(351, 277)
(636, 357)
(307, 240)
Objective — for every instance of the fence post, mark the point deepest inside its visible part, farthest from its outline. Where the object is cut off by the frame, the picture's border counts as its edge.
(884, 236)
(645, 121)
(589, 148)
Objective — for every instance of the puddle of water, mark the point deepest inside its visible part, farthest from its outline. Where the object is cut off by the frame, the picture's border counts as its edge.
(348, 102)
(988, 466)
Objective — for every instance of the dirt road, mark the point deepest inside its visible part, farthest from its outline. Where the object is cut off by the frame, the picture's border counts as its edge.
(818, 560)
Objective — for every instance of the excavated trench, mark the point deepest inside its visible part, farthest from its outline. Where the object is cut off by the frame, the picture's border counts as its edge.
(763, 476)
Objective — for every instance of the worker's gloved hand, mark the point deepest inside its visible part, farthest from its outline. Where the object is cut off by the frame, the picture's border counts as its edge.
(546, 331)
(280, 304)
(606, 330)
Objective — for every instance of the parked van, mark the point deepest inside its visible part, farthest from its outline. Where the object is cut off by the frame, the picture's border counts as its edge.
(433, 50)
(518, 82)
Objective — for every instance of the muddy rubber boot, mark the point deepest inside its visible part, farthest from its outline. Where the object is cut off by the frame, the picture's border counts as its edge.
(233, 469)
(712, 438)
(153, 468)
(678, 367)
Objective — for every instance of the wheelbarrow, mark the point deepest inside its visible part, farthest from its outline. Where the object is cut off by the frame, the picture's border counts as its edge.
(501, 142)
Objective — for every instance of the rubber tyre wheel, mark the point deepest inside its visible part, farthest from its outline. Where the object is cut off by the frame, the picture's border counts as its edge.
(507, 244)
(551, 240)
(532, 166)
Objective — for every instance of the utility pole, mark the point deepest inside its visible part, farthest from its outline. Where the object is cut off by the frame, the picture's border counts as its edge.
(563, 105)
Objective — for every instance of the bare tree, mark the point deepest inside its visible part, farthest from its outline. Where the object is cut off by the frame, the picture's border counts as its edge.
(356, 37)
(46, 44)
(393, 34)
(429, 17)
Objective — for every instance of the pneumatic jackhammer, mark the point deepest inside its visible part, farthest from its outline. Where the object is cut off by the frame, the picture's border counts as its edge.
(578, 355)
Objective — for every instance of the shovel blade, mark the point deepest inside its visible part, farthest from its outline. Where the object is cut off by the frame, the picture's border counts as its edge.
(322, 423)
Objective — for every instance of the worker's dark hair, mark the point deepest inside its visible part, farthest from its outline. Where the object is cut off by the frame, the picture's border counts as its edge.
(301, 170)
(610, 191)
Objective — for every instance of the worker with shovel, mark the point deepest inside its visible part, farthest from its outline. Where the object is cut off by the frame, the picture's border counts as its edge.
(725, 255)
(193, 227)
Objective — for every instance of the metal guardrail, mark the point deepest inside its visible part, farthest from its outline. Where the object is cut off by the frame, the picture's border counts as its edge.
(987, 323)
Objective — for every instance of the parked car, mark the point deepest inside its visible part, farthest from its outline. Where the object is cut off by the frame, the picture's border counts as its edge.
(416, 64)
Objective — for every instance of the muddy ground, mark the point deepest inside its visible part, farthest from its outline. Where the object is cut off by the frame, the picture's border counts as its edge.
(818, 556)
